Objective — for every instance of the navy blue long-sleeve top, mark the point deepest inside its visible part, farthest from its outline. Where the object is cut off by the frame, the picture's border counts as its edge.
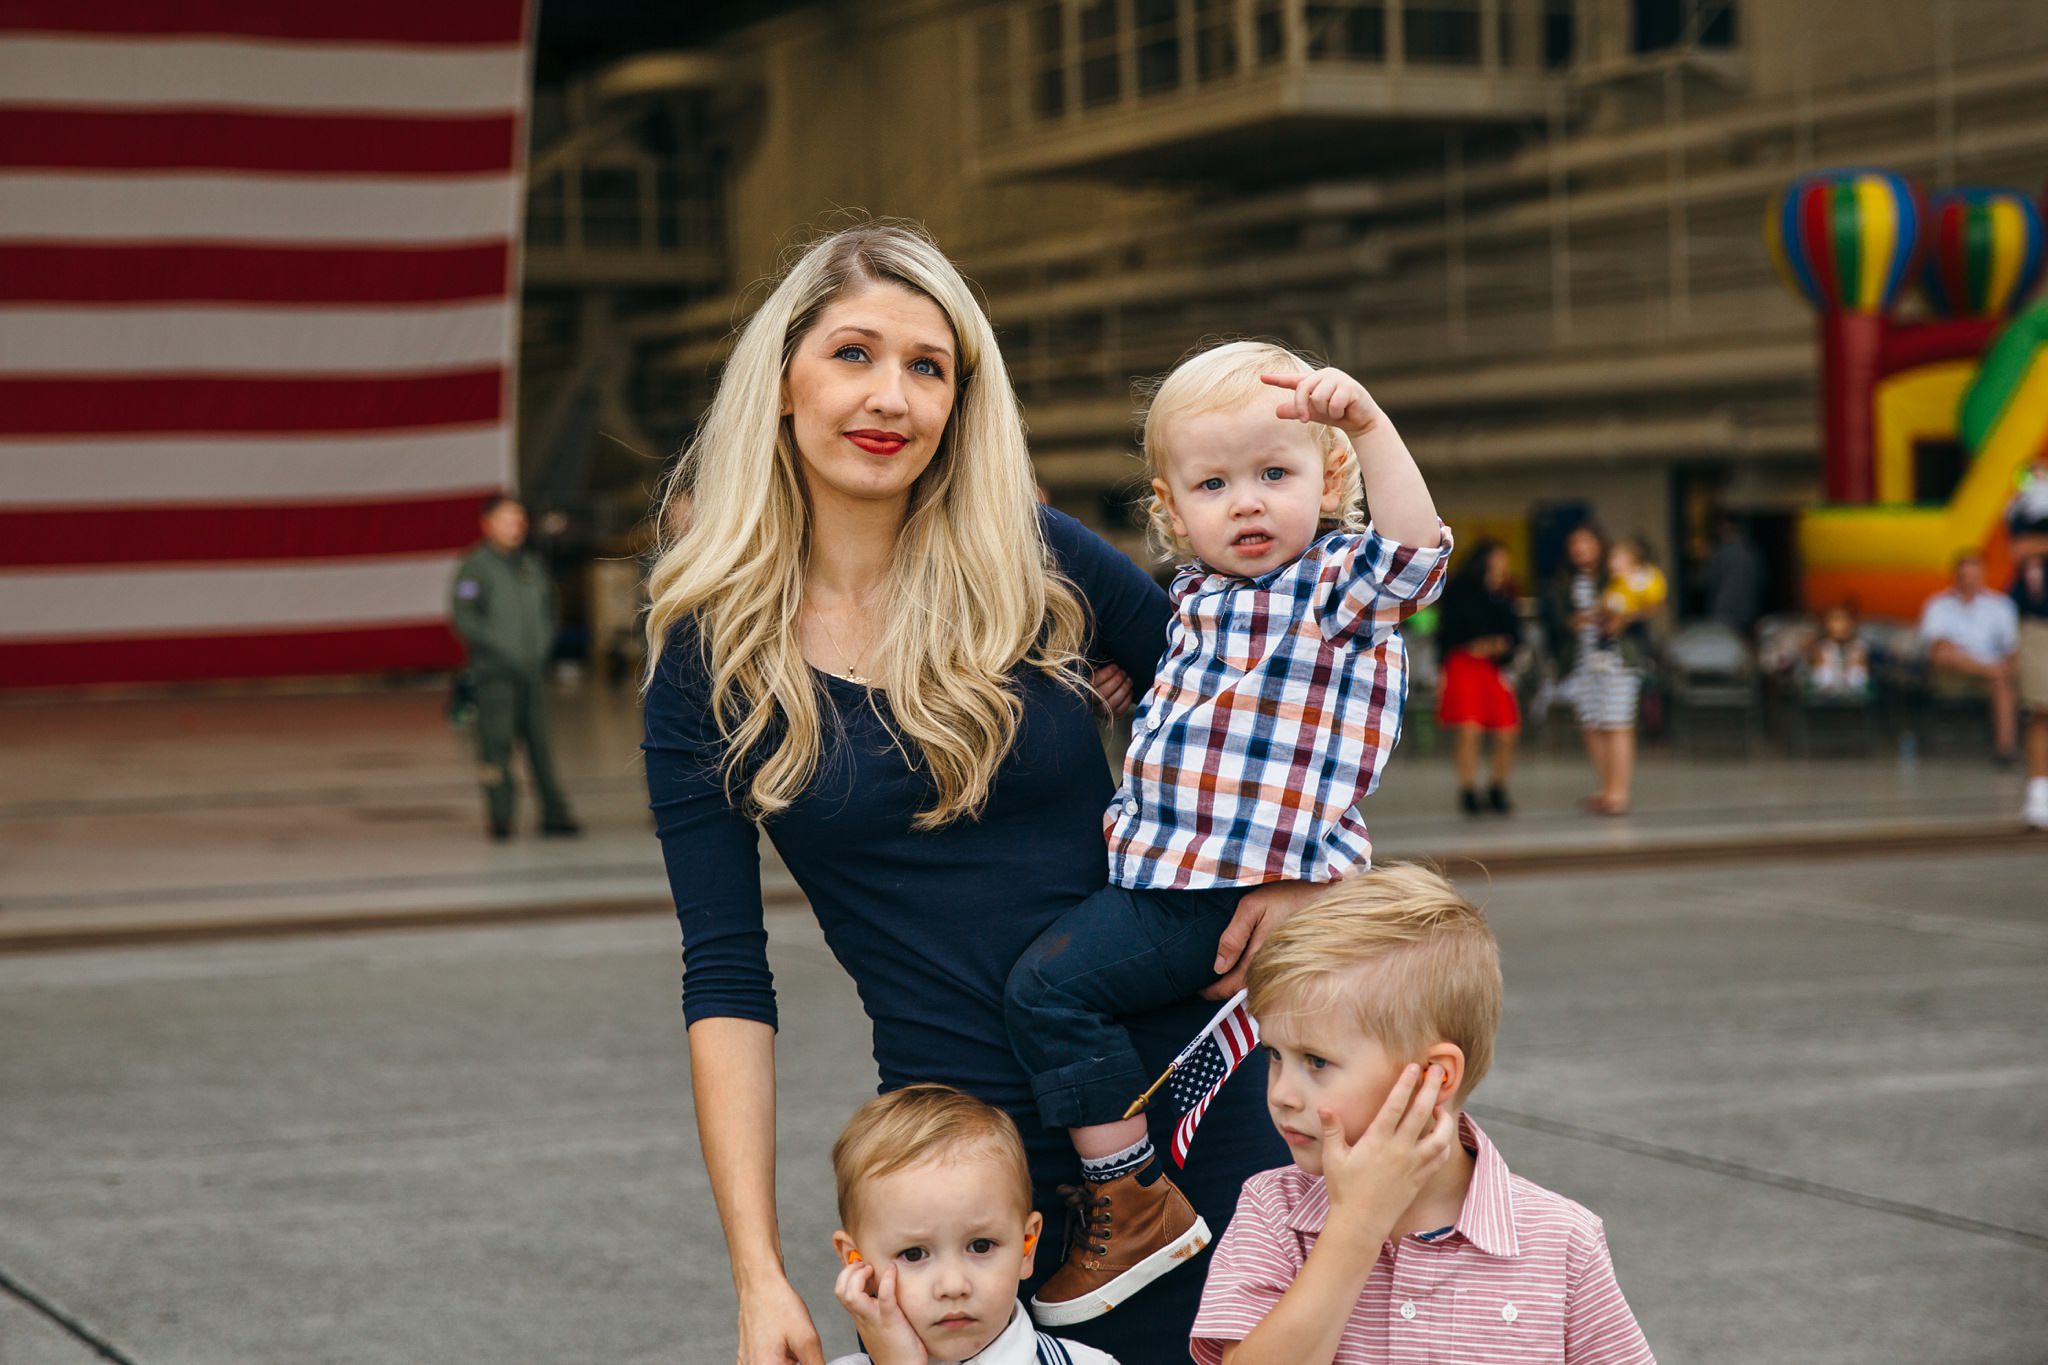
(929, 923)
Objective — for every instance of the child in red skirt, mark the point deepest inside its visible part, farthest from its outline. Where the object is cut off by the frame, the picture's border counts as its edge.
(1477, 630)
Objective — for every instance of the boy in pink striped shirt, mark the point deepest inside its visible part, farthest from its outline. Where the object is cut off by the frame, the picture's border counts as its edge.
(1398, 1234)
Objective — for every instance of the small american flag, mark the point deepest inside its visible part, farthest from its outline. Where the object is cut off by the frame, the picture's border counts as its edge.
(1204, 1065)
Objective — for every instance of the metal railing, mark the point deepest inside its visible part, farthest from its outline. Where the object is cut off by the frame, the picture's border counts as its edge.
(638, 206)
(1040, 62)
(1628, 254)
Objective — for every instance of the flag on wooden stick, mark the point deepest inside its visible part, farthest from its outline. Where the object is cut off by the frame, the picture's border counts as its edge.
(1201, 1069)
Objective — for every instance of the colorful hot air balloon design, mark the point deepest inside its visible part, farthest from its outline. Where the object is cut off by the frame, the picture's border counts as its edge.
(1845, 240)
(1983, 252)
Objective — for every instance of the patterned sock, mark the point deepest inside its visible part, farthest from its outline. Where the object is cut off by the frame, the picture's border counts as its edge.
(1101, 1169)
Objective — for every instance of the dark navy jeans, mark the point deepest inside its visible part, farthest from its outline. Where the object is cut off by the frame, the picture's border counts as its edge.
(1120, 952)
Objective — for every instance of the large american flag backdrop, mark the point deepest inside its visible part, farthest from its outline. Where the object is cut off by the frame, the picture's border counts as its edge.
(258, 324)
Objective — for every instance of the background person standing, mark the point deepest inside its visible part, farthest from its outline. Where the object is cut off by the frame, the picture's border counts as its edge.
(1478, 630)
(2026, 521)
(1735, 577)
(505, 613)
(1602, 660)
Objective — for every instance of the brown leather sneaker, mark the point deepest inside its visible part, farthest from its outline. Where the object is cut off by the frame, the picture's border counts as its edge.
(1121, 1236)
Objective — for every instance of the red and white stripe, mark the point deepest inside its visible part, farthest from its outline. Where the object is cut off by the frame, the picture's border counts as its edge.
(1525, 1275)
(258, 329)
(1238, 1033)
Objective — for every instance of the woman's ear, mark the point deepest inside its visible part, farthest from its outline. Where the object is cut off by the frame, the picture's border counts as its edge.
(842, 1247)
(1032, 1226)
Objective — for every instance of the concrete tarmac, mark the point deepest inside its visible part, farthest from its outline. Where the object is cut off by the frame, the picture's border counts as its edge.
(1808, 1103)
(1781, 1027)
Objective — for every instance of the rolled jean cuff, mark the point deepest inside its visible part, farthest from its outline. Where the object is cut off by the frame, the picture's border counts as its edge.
(1083, 1094)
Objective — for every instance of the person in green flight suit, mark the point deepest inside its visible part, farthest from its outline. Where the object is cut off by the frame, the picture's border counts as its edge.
(505, 613)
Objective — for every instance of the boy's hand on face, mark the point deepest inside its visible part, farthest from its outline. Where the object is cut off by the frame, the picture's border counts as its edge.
(1329, 396)
(1374, 1180)
(869, 1297)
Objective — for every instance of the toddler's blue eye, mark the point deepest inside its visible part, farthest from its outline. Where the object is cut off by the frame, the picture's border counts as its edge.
(1211, 485)
(1316, 1063)
(1274, 474)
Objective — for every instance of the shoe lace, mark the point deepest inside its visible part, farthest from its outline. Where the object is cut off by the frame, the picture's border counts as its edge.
(1087, 1212)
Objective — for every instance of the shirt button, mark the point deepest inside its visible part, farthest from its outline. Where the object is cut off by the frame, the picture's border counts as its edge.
(1408, 1311)
(1508, 1312)
(1154, 721)
(1130, 805)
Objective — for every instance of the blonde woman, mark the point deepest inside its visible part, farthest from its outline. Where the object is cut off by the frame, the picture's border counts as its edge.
(869, 641)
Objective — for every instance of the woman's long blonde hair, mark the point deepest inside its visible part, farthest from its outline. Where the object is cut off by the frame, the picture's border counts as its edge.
(972, 591)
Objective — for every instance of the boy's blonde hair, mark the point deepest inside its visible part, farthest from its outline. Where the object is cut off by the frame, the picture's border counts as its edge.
(1224, 376)
(917, 1122)
(1411, 960)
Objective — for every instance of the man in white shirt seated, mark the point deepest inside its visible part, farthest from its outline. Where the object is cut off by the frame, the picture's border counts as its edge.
(1972, 638)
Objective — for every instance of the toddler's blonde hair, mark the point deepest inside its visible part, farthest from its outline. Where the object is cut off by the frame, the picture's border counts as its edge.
(1224, 376)
(1402, 952)
(918, 1122)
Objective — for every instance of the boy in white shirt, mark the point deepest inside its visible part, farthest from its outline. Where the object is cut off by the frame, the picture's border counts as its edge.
(937, 1231)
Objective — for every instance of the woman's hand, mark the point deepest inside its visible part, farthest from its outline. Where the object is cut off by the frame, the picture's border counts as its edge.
(1258, 915)
(1113, 690)
(775, 1328)
(869, 1297)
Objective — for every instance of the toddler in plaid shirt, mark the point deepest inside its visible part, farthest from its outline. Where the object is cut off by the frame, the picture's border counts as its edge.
(1274, 710)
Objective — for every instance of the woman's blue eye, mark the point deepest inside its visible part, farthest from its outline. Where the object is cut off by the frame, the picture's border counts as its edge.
(853, 352)
(1211, 485)
(931, 367)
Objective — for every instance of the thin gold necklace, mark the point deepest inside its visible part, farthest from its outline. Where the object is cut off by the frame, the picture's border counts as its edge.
(853, 674)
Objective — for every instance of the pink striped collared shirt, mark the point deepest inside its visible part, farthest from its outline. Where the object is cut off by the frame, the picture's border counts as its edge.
(1523, 1276)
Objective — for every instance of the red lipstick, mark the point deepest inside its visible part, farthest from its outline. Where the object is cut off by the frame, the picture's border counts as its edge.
(878, 442)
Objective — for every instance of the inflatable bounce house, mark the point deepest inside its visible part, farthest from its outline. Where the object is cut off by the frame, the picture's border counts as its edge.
(1927, 423)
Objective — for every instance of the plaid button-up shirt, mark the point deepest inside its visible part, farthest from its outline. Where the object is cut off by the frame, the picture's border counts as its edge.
(1273, 712)
(1523, 1277)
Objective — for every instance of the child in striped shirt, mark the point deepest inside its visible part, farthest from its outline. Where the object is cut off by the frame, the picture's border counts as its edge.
(1398, 1234)
(1275, 708)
